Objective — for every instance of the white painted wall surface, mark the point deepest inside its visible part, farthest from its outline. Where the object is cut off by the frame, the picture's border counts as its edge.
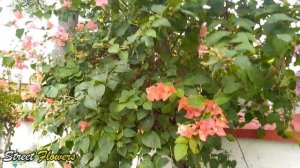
(264, 154)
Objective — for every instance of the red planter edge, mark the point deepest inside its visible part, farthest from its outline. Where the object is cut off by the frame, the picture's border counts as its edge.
(250, 131)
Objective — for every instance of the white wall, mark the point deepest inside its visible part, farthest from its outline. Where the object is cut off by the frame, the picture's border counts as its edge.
(264, 154)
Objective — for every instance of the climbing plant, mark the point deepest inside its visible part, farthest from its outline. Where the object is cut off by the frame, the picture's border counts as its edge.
(160, 81)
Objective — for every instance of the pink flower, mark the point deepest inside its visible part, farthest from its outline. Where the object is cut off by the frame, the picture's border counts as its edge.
(203, 30)
(83, 125)
(298, 73)
(298, 89)
(213, 108)
(205, 129)
(67, 3)
(18, 123)
(101, 3)
(202, 50)
(297, 49)
(19, 64)
(32, 25)
(4, 85)
(60, 37)
(80, 26)
(91, 25)
(27, 43)
(49, 25)
(34, 89)
(186, 130)
(219, 126)
(62, 34)
(18, 15)
(14, 24)
(67, 165)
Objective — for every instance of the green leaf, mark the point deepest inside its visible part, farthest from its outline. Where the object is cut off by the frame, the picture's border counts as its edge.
(180, 151)
(161, 162)
(161, 22)
(242, 62)
(112, 83)
(230, 137)
(105, 144)
(181, 140)
(76, 3)
(141, 114)
(122, 150)
(90, 103)
(167, 108)
(213, 163)
(115, 107)
(149, 41)
(273, 117)
(95, 162)
(151, 140)
(8, 61)
(122, 29)
(221, 99)
(147, 123)
(216, 37)
(180, 92)
(52, 92)
(85, 158)
(279, 17)
(19, 33)
(131, 105)
(193, 145)
(285, 37)
(196, 101)
(125, 95)
(114, 49)
(256, 76)
(245, 46)
(158, 8)
(112, 127)
(146, 164)
(261, 132)
(229, 85)
(150, 33)
(244, 23)
(129, 133)
(103, 157)
(280, 46)
(40, 114)
(96, 92)
(84, 144)
(147, 105)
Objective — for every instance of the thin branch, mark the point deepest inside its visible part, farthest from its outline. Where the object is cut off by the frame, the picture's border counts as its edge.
(244, 158)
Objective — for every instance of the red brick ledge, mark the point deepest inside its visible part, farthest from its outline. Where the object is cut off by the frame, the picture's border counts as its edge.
(250, 131)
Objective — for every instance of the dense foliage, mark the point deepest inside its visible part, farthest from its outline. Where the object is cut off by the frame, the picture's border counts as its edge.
(165, 76)
(9, 115)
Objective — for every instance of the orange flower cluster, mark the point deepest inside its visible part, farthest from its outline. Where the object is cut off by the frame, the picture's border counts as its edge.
(202, 128)
(159, 92)
(191, 112)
